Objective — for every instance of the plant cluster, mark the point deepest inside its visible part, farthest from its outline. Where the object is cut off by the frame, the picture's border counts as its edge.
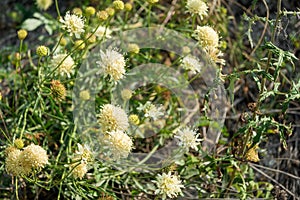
(147, 144)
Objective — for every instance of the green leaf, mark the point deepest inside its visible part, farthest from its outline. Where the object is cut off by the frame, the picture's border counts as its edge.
(31, 24)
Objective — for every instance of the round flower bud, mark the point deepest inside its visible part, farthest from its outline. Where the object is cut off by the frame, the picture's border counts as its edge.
(63, 42)
(22, 34)
(42, 51)
(91, 38)
(152, 1)
(110, 11)
(186, 50)
(133, 48)
(128, 6)
(134, 119)
(118, 5)
(102, 15)
(90, 11)
(79, 44)
(77, 11)
(84, 95)
(126, 94)
(19, 143)
(43, 4)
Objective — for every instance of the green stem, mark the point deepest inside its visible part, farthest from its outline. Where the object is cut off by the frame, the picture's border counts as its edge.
(57, 8)
(269, 55)
(56, 46)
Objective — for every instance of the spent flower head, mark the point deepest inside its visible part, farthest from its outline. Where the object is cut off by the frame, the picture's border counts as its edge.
(168, 185)
(73, 24)
(112, 63)
(102, 15)
(58, 90)
(252, 154)
(197, 7)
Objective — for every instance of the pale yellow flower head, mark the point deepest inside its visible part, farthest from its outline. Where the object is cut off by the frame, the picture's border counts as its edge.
(207, 36)
(188, 138)
(12, 163)
(197, 7)
(33, 157)
(73, 24)
(43, 4)
(120, 144)
(112, 63)
(103, 31)
(112, 118)
(65, 63)
(192, 64)
(168, 185)
(215, 55)
(79, 170)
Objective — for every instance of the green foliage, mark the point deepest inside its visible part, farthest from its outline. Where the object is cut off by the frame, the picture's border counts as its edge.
(222, 168)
